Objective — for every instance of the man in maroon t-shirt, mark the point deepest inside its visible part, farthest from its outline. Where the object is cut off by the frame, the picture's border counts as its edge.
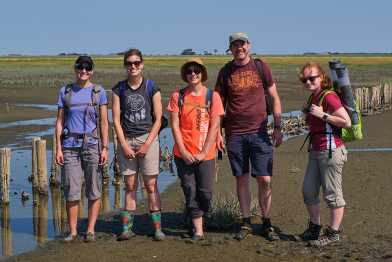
(242, 90)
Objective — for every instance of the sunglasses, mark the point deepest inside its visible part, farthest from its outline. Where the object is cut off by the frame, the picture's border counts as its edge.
(130, 64)
(191, 70)
(88, 67)
(310, 78)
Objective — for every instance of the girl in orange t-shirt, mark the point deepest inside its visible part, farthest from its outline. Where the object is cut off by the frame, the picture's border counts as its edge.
(195, 126)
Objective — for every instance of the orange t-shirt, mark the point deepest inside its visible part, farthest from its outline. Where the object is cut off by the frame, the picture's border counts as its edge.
(195, 120)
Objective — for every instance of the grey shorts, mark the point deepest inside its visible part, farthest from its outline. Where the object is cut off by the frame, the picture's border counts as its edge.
(147, 165)
(326, 173)
(79, 163)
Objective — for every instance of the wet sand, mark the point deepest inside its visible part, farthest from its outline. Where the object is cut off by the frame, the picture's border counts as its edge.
(367, 231)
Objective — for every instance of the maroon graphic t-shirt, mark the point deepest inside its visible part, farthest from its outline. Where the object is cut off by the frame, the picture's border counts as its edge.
(243, 98)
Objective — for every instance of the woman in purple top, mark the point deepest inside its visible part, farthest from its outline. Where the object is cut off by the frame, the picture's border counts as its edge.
(82, 143)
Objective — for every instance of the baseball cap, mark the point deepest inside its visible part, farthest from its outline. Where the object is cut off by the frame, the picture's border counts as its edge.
(238, 36)
(84, 60)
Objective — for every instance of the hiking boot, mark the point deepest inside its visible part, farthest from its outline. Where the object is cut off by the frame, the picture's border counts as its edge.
(70, 238)
(126, 235)
(195, 239)
(89, 237)
(270, 233)
(245, 231)
(311, 233)
(330, 236)
(159, 235)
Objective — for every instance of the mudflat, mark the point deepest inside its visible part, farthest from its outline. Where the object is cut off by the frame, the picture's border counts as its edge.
(367, 231)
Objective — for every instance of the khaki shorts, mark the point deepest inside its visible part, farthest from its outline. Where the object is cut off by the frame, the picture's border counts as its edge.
(326, 173)
(147, 165)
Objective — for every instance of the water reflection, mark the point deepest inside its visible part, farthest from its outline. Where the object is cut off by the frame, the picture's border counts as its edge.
(6, 232)
(42, 218)
(42, 234)
(105, 201)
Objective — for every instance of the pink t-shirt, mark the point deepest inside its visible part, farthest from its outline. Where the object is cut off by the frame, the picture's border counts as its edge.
(317, 126)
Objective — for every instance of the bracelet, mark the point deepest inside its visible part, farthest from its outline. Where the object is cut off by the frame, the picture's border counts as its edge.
(105, 147)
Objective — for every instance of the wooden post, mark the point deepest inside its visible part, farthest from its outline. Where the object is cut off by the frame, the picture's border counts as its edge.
(6, 232)
(34, 167)
(105, 201)
(116, 165)
(117, 196)
(387, 96)
(5, 170)
(56, 208)
(7, 108)
(42, 167)
(375, 100)
(54, 171)
(64, 219)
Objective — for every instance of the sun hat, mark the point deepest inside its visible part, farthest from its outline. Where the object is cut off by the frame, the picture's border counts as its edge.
(198, 62)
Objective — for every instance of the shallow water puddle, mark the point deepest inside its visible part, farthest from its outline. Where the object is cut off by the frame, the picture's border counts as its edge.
(26, 224)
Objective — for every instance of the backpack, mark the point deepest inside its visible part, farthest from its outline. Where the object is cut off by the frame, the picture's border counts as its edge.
(208, 101)
(342, 87)
(347, 134)
(227, 70)
(149, 92)
(95, 95)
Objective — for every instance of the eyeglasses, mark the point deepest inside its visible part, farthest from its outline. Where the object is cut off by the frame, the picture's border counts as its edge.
(310, 78)
(130, 64)
(88, 67)
(191, 70)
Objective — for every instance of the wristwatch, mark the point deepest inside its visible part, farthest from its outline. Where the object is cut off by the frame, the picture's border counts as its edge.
(325, 117)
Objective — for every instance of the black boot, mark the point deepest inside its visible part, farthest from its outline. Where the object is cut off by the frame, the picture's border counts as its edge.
(311, 233)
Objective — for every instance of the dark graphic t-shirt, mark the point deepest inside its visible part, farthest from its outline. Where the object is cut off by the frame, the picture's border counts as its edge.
(136, 107)
(244, 98)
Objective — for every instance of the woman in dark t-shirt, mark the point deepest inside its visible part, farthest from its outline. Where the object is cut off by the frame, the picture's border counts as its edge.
(135, 101)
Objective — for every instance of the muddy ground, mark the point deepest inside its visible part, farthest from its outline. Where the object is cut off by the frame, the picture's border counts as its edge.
(367, 231)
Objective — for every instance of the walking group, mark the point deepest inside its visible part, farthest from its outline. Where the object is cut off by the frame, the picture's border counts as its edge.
(233, 117)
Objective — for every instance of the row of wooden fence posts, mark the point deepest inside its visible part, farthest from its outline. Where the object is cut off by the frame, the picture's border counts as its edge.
(374, 99)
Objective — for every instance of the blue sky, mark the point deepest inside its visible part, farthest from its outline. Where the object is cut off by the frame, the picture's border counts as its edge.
(169, 26)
